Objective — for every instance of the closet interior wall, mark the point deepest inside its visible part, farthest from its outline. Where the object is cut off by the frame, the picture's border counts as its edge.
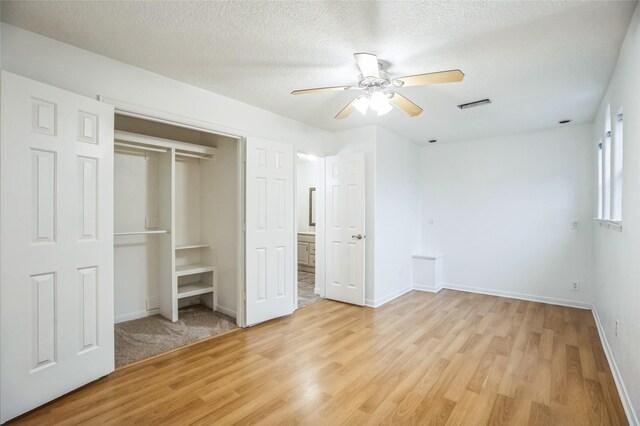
(200, 215)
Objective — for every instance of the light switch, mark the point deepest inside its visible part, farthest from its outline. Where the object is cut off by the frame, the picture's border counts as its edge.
(575, 224)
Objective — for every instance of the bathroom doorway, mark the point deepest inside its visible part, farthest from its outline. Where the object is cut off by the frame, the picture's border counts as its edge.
(309, 228)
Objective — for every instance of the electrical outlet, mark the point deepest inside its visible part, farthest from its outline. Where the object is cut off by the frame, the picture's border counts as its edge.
(617, 327)
(575, 286)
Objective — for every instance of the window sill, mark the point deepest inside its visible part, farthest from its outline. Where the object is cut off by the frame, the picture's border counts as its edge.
(615, 225)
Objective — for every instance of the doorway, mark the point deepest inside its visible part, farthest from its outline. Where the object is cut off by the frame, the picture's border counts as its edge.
(309, 228)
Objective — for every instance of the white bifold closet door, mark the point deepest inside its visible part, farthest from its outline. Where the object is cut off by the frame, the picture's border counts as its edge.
(270, 231)
(56, 280)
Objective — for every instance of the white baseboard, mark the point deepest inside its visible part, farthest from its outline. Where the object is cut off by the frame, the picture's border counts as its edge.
(617, 377)
(388, 298)
(427, 289)
(228, 312)
(143, 314)
(521, 296)
(136, 315)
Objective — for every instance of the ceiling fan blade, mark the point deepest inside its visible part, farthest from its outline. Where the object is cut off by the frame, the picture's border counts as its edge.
(405, 105)
(368, 64)
(346, 111)
(452, 76)
(323, 89)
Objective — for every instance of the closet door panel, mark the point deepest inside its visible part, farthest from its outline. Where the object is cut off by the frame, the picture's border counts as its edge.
(270, 235)
(43, 200)
(56, 269)
(88, 197)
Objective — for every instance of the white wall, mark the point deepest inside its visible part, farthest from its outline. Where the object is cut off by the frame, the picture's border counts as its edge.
(617, 283)
(221, 220)
(135, 257)
(397, 213)
(502, 209)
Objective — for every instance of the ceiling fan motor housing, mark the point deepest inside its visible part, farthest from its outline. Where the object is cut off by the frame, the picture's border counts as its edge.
(374, 82)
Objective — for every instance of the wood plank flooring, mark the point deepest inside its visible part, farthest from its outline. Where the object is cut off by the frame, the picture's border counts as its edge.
(450, 358)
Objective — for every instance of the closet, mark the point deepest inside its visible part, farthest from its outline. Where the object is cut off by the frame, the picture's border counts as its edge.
(175, 219)
(117, 215)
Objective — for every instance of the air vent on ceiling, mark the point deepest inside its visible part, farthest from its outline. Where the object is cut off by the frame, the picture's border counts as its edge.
(474, 104)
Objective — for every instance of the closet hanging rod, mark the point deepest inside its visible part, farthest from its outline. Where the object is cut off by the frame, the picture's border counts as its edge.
(189, 155)
(140, 147)
(156, 231)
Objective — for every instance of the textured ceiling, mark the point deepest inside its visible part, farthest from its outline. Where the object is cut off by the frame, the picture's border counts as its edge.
(539, 62)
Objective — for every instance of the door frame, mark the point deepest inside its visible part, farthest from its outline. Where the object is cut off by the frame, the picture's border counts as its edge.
(320, 267)
(164, 117)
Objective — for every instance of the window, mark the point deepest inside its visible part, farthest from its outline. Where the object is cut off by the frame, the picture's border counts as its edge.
(606, 175)
(600, 213)
(604, 170)
(610, 171)
(616, 177)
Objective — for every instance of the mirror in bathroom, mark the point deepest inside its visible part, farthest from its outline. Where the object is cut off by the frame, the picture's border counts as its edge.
(312, 207)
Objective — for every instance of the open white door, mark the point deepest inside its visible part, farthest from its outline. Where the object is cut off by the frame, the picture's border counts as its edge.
(270, 231)
(345, 220)
(56, 280)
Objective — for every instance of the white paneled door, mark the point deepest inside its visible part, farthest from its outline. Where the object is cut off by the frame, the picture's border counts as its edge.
(345, 217)
(56, 279)
(270, 231)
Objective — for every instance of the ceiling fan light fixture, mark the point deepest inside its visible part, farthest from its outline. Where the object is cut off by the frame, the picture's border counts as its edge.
(384, 108)
(362, 104)
(379, 102)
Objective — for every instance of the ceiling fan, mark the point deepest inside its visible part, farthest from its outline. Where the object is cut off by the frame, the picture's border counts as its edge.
(378, 87)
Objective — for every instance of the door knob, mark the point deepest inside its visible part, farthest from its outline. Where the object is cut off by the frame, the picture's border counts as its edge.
(357, 237)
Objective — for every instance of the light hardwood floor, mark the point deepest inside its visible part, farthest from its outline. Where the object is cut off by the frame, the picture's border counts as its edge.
(449, 358)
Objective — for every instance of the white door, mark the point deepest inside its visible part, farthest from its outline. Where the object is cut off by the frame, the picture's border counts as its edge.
(56, 280)
(345, 186)
(270, 231)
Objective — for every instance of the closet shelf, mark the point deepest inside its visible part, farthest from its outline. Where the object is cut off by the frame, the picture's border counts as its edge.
(132, 140)
(193, 289)
(148, 232)
(192, 246)
(193, 268)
